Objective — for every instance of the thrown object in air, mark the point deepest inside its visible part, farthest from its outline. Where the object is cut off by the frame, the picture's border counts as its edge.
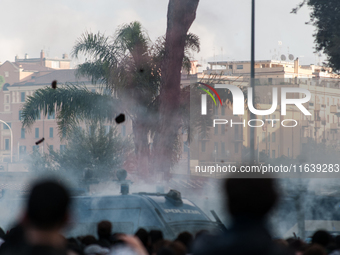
(54, 84)
(40, 141)
(120, 118)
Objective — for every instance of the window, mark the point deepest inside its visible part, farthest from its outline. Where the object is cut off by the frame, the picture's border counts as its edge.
(22, 149)
(270, 81)
(123, 130)
(20, 113)
(51, 148)
(55, 64)
(263, 136)
(223, 148)
(223, 110)
(216, 130)
(36, 132)
(6, 74)
(6, 144)
(51, 132)
(273, 117)
(236, 147)
(222, 130)
(62, 148)
(22, 133)
(239, 67)
(203, 146)
(51, 116)
(237, 136)
(6, 127)
(216, 148)
(7, 99)
(22, 96)
(231, 67)
(273, 137)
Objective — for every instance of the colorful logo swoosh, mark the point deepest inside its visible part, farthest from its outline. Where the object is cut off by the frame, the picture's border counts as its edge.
(213, 90)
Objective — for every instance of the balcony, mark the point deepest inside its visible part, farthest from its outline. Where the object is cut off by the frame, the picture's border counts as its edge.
(335, 126)
(238, 139)
(304, 123)
(335, 109)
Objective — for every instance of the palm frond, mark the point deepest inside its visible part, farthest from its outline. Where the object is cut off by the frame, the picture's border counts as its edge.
(72, 104)
(94, 45)
(192, 42)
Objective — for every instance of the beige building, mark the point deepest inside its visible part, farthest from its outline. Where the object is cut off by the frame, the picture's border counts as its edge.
(323, 126)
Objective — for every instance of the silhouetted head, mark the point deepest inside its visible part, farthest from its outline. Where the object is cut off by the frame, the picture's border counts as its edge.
(48, 205)
(322, 238)
(104, 229)
(185, 238)
(143, 236)
(155, 236)
(337, 241)
(250, 197)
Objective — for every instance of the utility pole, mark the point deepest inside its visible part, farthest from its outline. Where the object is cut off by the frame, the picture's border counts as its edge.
(252, 81)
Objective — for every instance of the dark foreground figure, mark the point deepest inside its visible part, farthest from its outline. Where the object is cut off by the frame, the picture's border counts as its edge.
(39, 232)
(249, 201)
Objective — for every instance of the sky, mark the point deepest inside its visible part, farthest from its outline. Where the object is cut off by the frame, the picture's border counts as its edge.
(223, 26)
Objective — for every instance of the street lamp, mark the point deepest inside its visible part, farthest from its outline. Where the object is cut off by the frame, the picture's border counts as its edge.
(10, 129)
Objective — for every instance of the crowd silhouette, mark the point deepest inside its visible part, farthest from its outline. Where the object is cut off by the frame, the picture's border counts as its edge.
(39, 231)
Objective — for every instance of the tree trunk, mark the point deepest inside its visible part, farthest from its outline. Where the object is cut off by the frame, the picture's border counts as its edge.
(142, 151)
(181, 14)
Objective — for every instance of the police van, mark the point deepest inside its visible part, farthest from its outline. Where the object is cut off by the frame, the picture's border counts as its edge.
(168, 212)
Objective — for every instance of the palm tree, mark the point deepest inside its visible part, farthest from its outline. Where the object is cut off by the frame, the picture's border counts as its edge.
(129, 66)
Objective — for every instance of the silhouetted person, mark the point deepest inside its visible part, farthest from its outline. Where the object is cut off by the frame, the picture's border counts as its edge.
(321, 237)
(104, 229)
(186, 239)
(155, 236)
(336, 250)
(249, 201)
(143, 236)
(39, 232)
